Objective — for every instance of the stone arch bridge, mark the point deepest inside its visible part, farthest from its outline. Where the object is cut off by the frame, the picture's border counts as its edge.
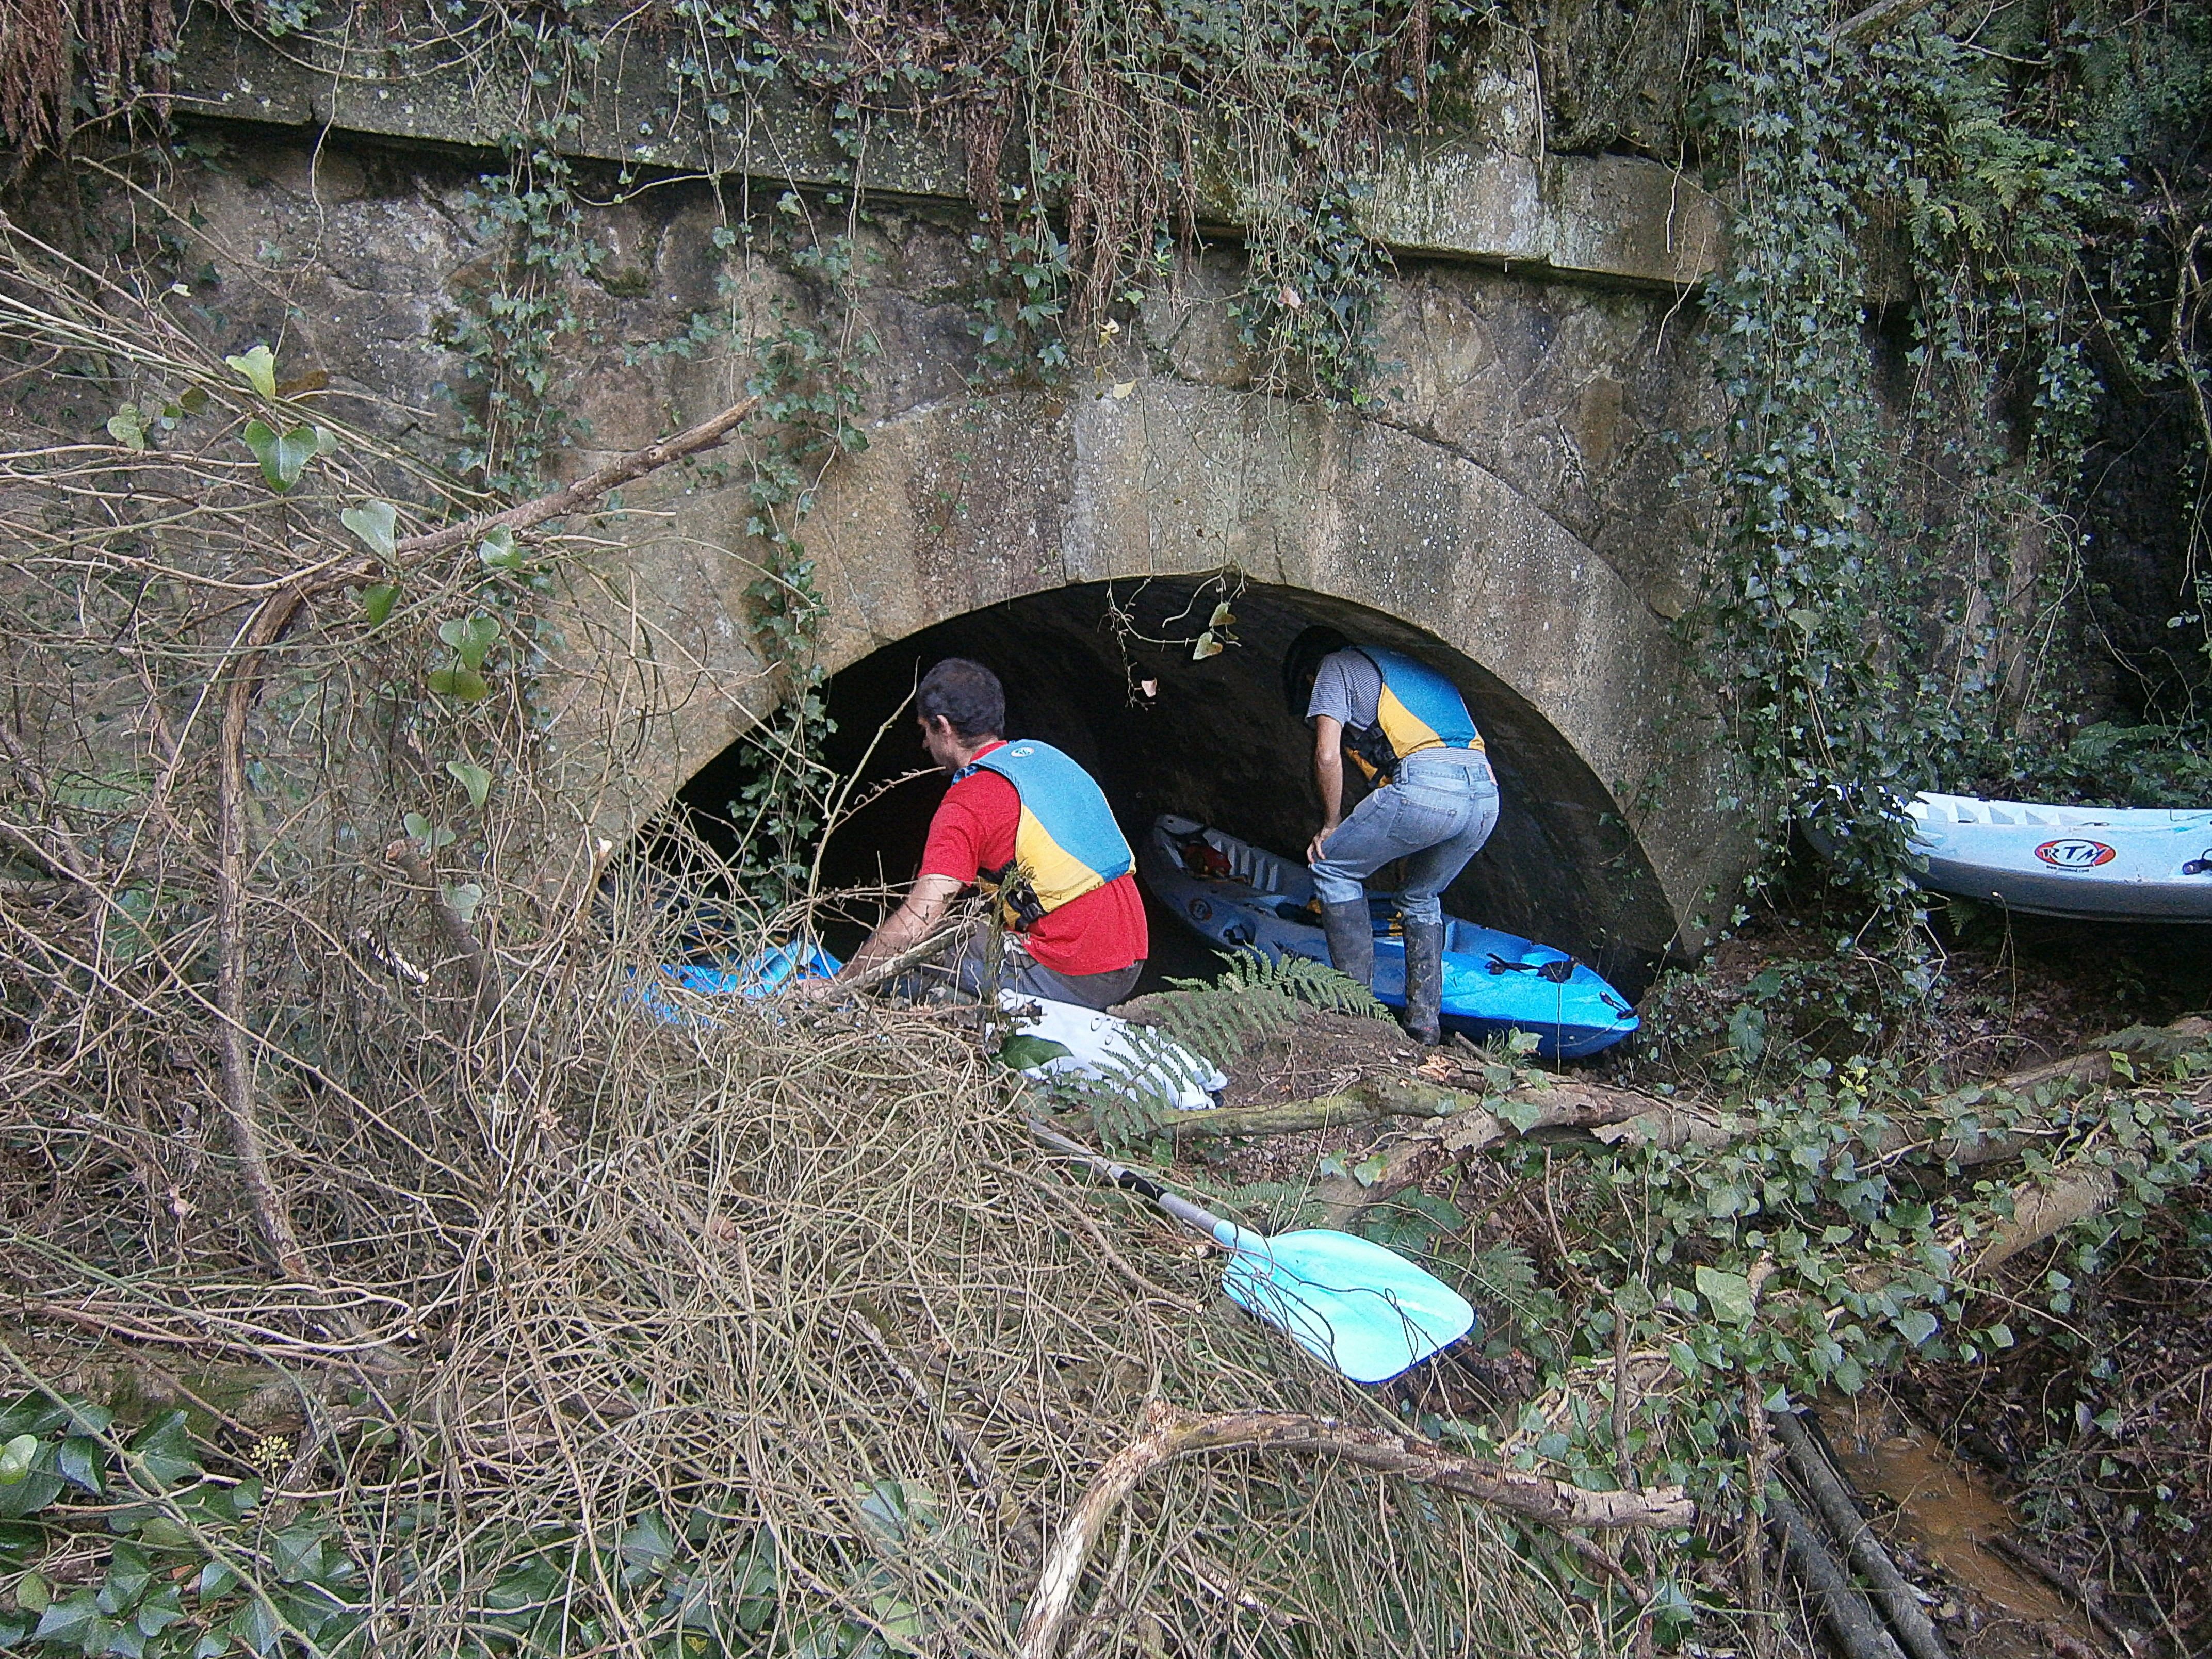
(1503, 507)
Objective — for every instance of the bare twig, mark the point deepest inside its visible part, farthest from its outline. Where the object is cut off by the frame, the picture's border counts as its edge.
(1170, 1433)
(270, 1211)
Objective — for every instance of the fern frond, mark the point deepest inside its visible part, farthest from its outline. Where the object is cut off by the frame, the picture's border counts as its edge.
(1255, 997)
(1127, 1101)
(1503, 1274)
(1299, 979)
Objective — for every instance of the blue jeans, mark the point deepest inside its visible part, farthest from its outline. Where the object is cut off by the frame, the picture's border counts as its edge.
(1435, 813)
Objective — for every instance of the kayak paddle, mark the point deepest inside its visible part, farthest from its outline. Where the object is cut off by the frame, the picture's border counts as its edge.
(1364, 1311)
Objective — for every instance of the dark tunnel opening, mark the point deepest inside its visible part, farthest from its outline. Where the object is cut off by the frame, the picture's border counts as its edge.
(1213, 740)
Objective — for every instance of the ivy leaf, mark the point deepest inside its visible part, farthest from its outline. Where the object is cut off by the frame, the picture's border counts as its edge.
(1729, 1293)
(373, 522)
(1917, 1325)
(1207, 646)
(158, 1613)
(1369, 1169)
(471, 639)
(79, 1459)
(475, 779)
(127, 426)
(69, 1621)
(16, 1458)
(463, 685)
(497, 551)
(645, 1547)
(165, 1454)
(284, 456)
(258, 367)
(129, 1573)
(1523, 1114)
(255, 1624)
(377, 602)
(1023, 1051)
(1222, 616)
(464, 897)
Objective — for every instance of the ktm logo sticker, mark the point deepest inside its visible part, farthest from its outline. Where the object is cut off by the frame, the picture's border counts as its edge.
(2075, 854)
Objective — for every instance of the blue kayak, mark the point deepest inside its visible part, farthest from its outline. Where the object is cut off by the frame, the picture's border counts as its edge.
(1242, 897)
(758, 976)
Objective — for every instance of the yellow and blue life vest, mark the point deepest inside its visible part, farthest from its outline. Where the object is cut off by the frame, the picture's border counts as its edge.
(1419, 708)
(1067, 843)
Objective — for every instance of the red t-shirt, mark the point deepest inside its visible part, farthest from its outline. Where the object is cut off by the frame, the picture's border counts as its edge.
(974, 831)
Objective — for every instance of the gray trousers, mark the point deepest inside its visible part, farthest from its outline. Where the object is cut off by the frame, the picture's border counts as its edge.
(1021, 973)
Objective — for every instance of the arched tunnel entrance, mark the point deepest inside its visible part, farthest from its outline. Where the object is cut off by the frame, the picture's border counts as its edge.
(1106, 671)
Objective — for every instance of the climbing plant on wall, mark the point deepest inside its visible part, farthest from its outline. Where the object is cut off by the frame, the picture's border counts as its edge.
(1910, 346)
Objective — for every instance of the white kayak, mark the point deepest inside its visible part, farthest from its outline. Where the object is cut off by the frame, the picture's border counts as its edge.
(1239, 895)
(1099, 1048)
(2095, 863)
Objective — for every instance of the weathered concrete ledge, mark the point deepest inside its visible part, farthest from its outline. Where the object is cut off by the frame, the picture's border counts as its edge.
(1613, 218)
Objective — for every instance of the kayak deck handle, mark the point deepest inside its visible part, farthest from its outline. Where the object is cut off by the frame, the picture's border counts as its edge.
(1557, 971)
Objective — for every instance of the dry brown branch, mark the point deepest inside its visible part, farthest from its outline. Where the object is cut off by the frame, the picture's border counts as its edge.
(483, 972)
(575, 498)
(1614, 1115)
(271, 1209)
(952, 930)
(1908, 1620)
(1878, 19)
(1170, 1433)
(2039, 1212)
(1550, 1110)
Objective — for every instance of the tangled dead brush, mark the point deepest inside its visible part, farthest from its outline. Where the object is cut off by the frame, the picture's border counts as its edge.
(781, 1338)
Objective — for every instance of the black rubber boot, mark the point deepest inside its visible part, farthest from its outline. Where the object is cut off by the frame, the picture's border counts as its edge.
(1425, 981)
(1351, 940)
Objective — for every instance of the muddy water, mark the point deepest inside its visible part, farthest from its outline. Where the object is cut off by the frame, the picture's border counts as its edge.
(1946, 1514)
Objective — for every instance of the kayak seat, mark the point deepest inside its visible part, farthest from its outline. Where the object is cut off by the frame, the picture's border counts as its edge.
(1557, 971)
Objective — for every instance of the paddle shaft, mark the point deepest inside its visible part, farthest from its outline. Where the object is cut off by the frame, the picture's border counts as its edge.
(1126, 1178)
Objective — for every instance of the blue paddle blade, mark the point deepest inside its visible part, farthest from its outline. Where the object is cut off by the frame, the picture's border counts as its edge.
(1360, 1310)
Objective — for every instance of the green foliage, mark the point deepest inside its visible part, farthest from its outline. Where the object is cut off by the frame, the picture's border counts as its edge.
(1501, 1275)
(1848, 1004)
(1255, 997)
(133, 1547)
(512, 332)
(2107, 763)
(1308, 302)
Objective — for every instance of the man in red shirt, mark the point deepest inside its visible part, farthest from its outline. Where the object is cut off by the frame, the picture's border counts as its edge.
(1030, 825)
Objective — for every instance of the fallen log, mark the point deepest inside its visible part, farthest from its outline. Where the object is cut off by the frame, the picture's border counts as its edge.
(1170, 1432)
(1547, 1110)
(1859, 1630)
(1522, 1111)
(1908, 1619)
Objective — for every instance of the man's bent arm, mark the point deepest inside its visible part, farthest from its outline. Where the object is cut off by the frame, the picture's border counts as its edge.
(1329, 776)
(924, 905)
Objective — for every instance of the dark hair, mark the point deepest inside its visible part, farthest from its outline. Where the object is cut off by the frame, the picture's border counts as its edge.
(965, 693)
(1302, 662)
